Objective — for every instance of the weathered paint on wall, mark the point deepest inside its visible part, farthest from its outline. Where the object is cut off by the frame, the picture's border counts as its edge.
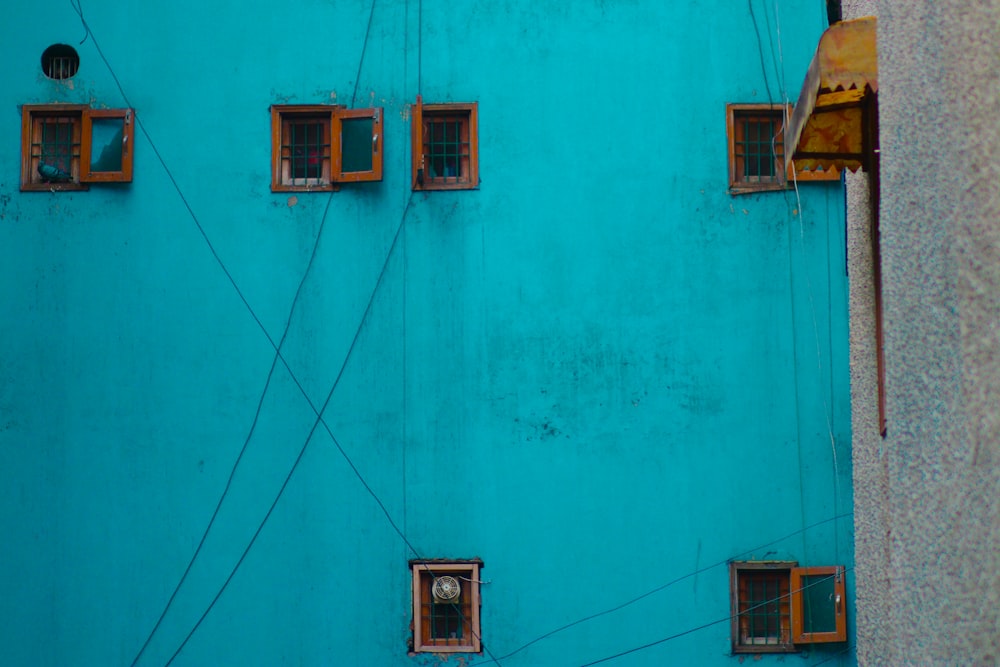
(599, 372)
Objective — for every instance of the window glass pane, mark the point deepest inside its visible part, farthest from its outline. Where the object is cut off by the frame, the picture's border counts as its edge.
(356, 144)
(106, 144)
(818, 608)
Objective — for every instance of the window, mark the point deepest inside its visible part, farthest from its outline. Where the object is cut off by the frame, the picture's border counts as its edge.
(67, 146)
(446, 606)
(757, 150)
(314, 147)
(776, 605)
(445, 146)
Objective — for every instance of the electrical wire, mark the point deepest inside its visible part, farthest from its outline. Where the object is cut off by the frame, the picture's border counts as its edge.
(305, 445)
(760, 50)
(670, 583)
(364, 49)
(835, 656)
(77, 7)
(246, 442)
(689, 631)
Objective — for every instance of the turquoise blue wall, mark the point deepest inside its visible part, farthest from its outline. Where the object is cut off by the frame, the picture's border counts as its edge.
(599, 372)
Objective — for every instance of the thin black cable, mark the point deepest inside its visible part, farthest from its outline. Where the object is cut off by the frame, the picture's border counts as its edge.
(246, 442)
(778, 70)
(667, 585)
(760, 50)
(364, 48)
(710, 624)
(835, 656)
(319, 420)
(79, 11)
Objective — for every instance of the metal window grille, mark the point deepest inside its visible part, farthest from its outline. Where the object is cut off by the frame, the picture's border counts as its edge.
(55, 143)
(764, 608)
(447, 149)
(62, 68)
(759, 149)
(447, 621)
(305, 151)
(60, 61)
(445, 624)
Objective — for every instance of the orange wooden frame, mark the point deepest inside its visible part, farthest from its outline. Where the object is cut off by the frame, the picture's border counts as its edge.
(423, 574)
(375, 173)
(332, 117)
(740, 570)
(31, 124)
(81, 119)
(281, 117)
(785, 176)
(465, 113)
(123, 175)
(839, 600)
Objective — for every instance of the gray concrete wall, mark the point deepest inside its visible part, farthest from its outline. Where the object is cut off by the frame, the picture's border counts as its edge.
(927, 497)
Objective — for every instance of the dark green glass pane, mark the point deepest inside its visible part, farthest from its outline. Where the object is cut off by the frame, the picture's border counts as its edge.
(106, 144)
(356, 144)
(819, 612)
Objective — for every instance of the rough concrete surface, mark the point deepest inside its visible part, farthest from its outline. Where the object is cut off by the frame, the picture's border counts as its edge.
(927, 497)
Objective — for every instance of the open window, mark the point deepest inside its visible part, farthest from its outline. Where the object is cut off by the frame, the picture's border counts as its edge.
(68, 146)
(445, 151)
(314, 147)
(776, 605)
(818, 605)
(446, 606)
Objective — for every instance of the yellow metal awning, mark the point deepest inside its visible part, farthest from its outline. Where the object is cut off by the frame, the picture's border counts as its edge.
(834, 121)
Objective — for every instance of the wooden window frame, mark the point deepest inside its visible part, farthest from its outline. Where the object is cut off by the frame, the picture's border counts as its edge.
(793, 630)
(331, 117)
(123, 175)
(465, 113)
(423, 572)
(799, 636)
(737, 570)
(373, 174)
(80, 118)
(785, 176)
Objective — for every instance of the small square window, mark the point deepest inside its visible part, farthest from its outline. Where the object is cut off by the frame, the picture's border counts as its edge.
(313, 147)
(776, 605)
(445, 146)
(66, 146)
(757, 150)
(756, 147)
(761, 607)
(446, 606)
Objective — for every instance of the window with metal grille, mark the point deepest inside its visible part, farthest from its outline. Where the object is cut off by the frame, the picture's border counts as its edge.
(776, 605)
(446, 606)
(762, 613)
(315, 147)
(60, 61)
(445, 146)
(67, 146)
(756, 147)
(757, 150)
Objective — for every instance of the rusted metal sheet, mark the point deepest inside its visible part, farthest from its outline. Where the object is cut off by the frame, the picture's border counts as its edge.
(827, 127)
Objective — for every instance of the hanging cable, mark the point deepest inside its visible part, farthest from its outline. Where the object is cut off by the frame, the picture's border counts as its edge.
(670, 583)
(246, 442)
(79, 11)
(711, 623)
